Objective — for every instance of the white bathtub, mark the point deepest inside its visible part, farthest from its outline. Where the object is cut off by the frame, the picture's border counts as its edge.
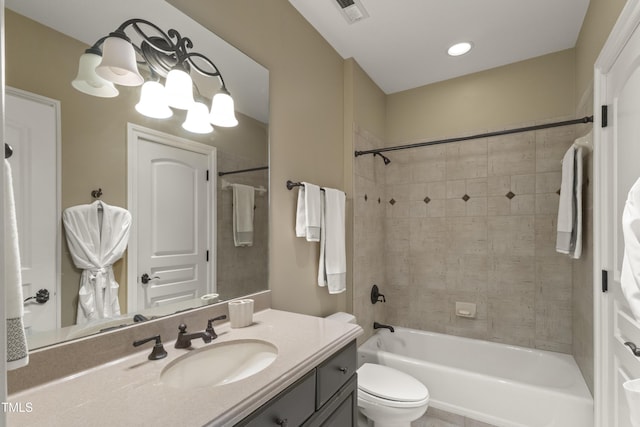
(503, 385)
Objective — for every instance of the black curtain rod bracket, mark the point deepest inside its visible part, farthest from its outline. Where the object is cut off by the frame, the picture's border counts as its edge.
(377, 151)
(291, 185)
(8, 151)
(243, 170)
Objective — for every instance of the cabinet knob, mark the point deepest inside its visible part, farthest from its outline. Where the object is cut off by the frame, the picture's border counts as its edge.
(282, 422)
(343, 370)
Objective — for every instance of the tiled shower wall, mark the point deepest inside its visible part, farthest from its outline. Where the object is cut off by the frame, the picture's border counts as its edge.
(582, 309)
(474, 222)
(241, 270)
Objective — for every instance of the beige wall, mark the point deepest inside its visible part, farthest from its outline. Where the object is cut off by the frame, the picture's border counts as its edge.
(597, 24)
(306, 129)
(94, 146)
(365, 128)
(526, 91)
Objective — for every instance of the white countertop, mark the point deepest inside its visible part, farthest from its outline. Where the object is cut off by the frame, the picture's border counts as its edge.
(128, 391)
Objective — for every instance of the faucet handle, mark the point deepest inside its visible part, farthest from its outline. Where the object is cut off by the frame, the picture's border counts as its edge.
(158, 351)
(182, 328)
(210, 326)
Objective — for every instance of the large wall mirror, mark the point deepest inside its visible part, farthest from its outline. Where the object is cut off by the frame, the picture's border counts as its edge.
(44, 41)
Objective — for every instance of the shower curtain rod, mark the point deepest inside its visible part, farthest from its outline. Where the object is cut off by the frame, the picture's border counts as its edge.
(243, 170)
(586, 119)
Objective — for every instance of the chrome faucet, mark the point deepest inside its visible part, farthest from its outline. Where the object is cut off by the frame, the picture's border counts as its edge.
(377, 325)
(184, 339)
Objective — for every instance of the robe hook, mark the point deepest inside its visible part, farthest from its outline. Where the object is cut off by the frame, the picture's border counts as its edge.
(96, 194)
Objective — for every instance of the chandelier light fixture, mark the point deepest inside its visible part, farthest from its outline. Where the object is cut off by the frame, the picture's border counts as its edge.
(115, 60)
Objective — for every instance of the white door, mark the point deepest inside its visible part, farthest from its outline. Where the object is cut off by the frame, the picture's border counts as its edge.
(617, 168)
(173, 220)
(32, 126)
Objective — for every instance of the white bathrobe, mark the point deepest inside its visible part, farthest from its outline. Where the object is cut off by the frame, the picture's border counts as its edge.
(97, 239)
(630, 276)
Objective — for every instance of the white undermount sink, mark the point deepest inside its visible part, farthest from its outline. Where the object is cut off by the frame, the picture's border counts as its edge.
(219, 364)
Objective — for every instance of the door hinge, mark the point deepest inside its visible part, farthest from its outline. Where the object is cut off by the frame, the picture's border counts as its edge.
(207, 255)
(605, 281)
(207, 175)
(605, 120)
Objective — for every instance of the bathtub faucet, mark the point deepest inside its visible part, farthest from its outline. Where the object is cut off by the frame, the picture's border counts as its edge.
(377, 325)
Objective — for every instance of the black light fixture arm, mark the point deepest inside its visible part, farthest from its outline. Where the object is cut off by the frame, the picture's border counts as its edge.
(170, 43)
(96, 47)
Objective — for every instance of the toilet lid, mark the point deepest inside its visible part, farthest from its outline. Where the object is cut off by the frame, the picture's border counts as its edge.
(390, 384)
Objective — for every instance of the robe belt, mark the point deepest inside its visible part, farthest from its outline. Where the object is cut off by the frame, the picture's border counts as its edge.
(94, 273)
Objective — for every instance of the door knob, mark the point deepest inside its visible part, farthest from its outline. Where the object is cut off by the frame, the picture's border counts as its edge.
(41, 296)
(146, 279)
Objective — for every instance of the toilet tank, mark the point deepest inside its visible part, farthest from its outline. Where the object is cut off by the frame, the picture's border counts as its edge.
(342, 317)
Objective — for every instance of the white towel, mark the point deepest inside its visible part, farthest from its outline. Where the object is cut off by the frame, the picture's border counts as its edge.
(569, 231)
(308, 212)
(17, 353)
(576, 235)
(630, 277)
(243, 203)
(332, 266)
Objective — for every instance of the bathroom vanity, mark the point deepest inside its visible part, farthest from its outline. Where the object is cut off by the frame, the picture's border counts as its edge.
(310, 382)
(326, 396)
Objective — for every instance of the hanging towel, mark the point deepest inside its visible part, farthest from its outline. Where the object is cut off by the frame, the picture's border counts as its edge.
(569, 232)
(243, 203)
(576, 234)
(97, 236)
(17, 353)
(630, 277)
(332, 267)
(308, 212)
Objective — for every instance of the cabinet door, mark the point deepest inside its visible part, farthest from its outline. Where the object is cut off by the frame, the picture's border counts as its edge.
(289, 409)
(341, 410)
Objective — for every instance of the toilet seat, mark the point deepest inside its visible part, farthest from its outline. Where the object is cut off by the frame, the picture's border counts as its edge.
(386, 386)
(363, 396)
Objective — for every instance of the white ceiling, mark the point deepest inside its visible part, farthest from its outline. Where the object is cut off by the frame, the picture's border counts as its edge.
(403, 43)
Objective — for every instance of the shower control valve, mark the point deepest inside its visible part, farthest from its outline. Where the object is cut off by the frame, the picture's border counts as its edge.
(376, 296)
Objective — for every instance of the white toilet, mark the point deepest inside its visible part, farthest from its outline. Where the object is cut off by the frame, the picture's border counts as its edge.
(386, 396)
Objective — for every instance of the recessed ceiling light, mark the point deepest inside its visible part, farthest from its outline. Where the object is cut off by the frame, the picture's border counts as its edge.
(460, 48)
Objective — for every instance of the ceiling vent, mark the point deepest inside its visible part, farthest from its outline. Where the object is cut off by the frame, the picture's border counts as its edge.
(352, 10)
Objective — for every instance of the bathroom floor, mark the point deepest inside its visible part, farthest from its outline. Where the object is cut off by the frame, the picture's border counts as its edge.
(437, 418)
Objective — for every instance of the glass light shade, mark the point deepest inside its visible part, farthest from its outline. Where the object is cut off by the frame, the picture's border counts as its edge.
(153, 101)
(87, 81)
(179, 89)
(222, 110)
(119, 62)
(197, 120)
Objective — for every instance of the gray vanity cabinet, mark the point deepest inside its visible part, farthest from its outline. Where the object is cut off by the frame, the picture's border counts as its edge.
(324, 397)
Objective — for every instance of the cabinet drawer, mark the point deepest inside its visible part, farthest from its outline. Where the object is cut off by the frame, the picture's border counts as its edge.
(334, 372)
(290, 408)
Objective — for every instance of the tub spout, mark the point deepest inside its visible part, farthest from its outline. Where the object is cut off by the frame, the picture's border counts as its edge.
(377, 325)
